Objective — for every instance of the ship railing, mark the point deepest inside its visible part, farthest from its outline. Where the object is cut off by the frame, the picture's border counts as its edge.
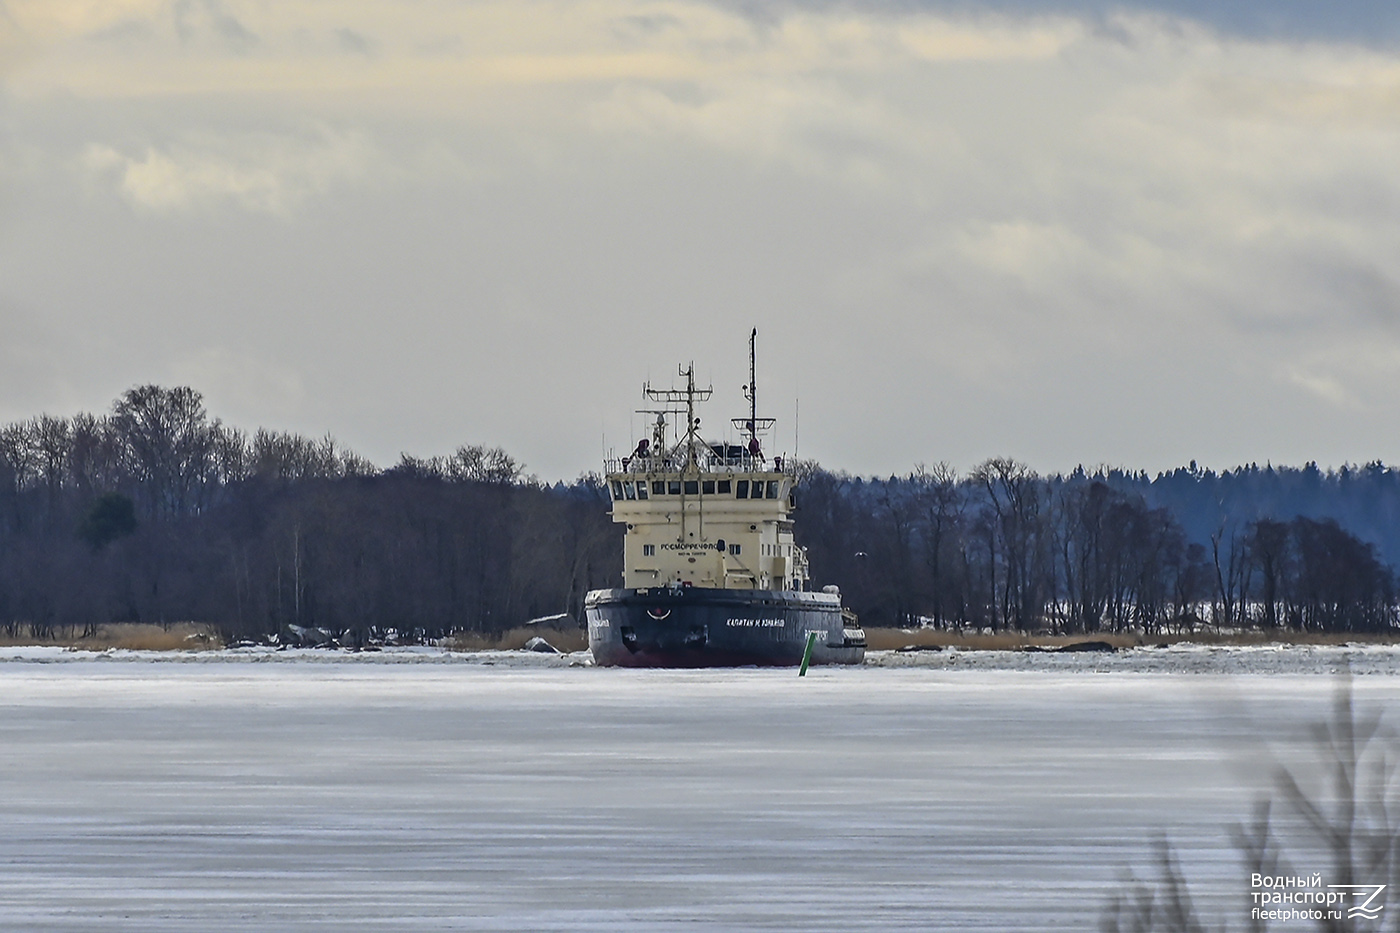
(710, 464)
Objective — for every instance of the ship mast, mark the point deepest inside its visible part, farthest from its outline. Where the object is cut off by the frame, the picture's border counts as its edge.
(690, 395)
(751, 390)
(755, 423)
(690, 422)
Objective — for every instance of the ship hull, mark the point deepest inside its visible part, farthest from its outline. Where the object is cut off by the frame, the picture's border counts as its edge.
(698, 627)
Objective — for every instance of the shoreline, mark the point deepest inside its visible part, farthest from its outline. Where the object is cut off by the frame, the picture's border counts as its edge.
(892, 639)
(1190, 660)
(192, 636)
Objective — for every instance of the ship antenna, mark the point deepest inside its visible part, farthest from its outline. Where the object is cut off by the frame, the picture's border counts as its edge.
(754, 424)
(671, 400)
(753, 386)
(690, 426)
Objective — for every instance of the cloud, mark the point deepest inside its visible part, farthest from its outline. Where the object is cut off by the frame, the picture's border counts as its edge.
(1328, 388)
(193, 46)
(1352, 378)
(1366, 22)
(353, 42)
(1063, 230)
(262, 174)
(198, 19)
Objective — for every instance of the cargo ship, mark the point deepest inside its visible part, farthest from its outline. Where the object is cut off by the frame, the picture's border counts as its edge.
(711, 574)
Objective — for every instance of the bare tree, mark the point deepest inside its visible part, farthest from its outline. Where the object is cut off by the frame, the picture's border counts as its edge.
(941, 501)
(475, 463)
(1232, 577)
(1153, 906)
(169, 441)
(53, 446)
(232, 455)
(1344, 807)
(1337, 816)
(1267, 547)
(1014, 495)
(95, 463)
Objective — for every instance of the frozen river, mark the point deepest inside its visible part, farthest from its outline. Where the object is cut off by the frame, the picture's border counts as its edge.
(434, 792)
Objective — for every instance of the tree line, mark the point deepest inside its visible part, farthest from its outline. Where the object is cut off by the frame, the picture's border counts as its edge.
(156, 512)
(1005, 549)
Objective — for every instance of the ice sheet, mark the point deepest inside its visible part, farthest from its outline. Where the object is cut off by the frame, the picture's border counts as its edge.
(421, 790)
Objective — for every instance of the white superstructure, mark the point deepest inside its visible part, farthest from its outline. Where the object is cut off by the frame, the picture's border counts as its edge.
(705, 514)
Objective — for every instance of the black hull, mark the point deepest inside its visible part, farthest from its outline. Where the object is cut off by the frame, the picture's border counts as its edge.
(694, 627)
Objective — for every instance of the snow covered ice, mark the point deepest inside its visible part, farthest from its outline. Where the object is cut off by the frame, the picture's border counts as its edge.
(422, 790)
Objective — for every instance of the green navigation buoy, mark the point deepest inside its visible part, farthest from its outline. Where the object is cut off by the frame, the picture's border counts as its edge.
(807, 653)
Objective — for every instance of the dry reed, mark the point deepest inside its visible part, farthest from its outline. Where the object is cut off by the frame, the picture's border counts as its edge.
(566, 640)
(132, 636)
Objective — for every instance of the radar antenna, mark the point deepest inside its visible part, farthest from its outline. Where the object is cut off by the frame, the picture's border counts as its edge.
(672, 399)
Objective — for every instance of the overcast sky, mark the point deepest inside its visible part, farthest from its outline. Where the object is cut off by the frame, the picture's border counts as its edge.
(1067, 232)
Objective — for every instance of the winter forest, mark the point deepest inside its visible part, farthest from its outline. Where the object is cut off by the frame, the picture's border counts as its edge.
(155, 512)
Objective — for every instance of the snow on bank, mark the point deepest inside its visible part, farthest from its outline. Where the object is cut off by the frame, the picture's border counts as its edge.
(1185, 658)
(411, 654)
(1182, 658)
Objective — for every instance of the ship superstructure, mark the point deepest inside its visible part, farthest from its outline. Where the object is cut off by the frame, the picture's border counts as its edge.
(711, 573)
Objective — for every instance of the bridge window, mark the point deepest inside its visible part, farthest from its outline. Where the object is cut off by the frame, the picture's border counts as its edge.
(724, 487)
(641, 490)
(629, 490)
(616, 489)
(743, 491)
(658, 487)
(708, 487)
(673, 487)
(772, 489)
(692, 487)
